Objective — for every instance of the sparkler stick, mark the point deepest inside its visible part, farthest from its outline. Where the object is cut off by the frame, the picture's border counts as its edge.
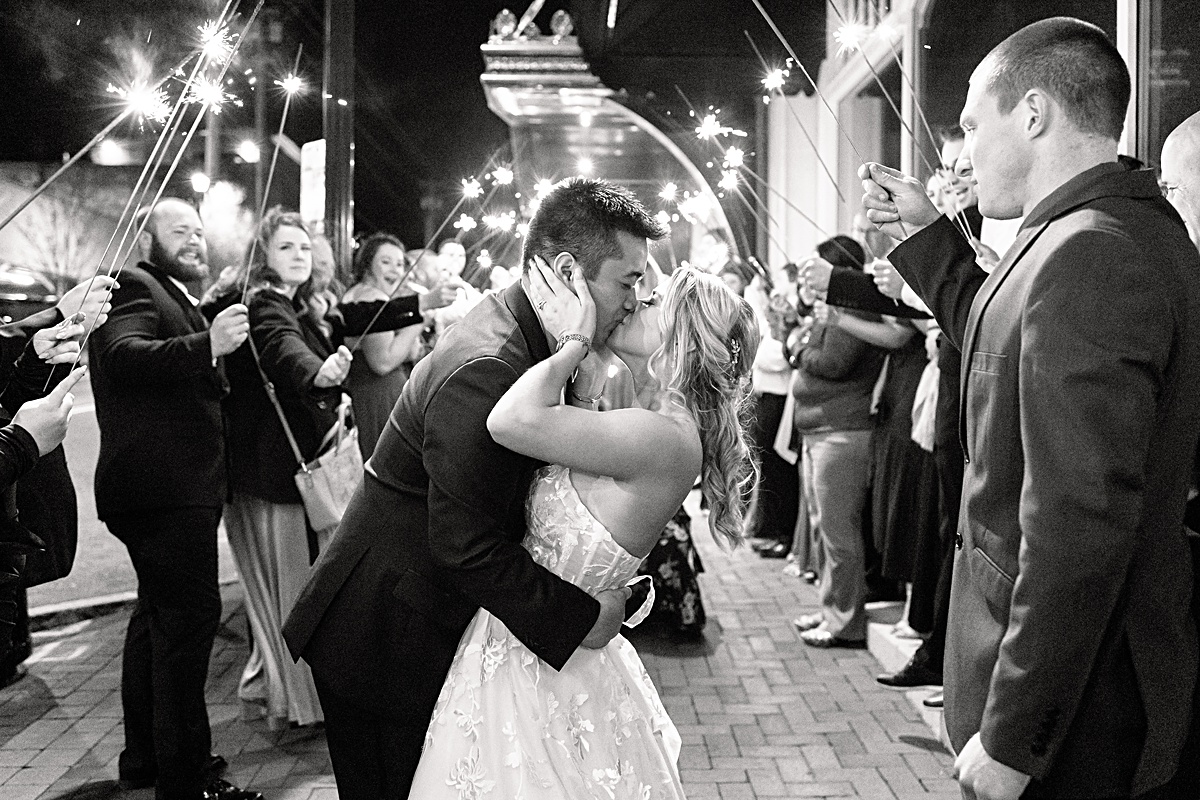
(830, 237)
(796, 117)
(779, 35)
(425, 251)
(120, 262)
(956, 217)
(291, 85)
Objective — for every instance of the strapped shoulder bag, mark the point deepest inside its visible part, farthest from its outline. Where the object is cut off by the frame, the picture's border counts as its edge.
(328, 481)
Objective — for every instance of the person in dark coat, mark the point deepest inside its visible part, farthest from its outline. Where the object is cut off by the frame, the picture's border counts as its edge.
(160, 482)
(1071, 654)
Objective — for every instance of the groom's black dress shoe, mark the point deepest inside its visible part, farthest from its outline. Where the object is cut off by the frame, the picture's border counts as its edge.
(916, 672)
(224, 790)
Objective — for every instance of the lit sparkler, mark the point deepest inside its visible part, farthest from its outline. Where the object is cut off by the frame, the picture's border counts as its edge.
(669, 192)
(465, 222)
(710, 128)
(209, 94)
(734, 158)
(471, 188)
(503, 176)
(522, 229)
(663, 218)
(729, 180)
(775, 80)
(504, 221)
(215, 42)
(543, 188)
(485, 259)
(292, 84)
(144, 102)
(851, 37)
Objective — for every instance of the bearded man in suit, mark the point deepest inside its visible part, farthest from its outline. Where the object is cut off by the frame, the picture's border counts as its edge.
(1071, 655)
(160, 484)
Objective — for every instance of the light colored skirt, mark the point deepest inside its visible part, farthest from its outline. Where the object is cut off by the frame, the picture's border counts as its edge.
(270, 546)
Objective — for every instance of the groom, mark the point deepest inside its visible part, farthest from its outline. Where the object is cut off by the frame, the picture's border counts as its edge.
(434, 532)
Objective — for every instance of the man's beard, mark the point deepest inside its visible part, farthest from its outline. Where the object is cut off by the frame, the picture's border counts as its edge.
(171, 264)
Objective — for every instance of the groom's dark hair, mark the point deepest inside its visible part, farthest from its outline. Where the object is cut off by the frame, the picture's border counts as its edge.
(581, 216)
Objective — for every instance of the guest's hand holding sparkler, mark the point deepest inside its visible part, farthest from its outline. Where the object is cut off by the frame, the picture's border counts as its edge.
(887, 279)
(229, 329)
(334, 370)
(814, 274)
(440, 296)
(45, 419)
(985, 257)
(896, 203)
(60, 343)
(90, 298)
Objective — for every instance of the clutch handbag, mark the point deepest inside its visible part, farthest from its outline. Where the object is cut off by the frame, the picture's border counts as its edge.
(328, 481)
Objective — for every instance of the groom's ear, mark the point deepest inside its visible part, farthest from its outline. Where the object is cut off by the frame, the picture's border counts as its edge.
(565, 266)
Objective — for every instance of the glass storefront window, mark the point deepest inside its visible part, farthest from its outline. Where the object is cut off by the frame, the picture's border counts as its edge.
(1168, 70)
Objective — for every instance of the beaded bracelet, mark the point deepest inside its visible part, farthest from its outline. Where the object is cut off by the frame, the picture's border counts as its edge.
(574, 337)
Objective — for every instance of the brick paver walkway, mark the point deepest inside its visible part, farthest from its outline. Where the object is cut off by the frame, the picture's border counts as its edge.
(761, 714)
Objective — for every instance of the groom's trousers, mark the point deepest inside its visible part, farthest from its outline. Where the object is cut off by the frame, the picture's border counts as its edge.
(374, 756)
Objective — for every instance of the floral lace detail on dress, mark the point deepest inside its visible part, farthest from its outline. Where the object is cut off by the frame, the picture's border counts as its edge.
(508, 726)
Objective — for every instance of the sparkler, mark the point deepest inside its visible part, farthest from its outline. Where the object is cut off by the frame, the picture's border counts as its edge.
(214, 41)
(775, 78)
(669, 192)
(291, 85)
(729, 180)
(956, 218)
(502, 176)
(543, 188)
(471, 188)
(465, 223)
(144, 102)
(734, 158)
(118, 261)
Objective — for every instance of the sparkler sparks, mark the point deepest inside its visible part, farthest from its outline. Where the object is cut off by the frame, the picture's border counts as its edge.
(669, 192)
(215, 41)
(503, 176)
(208, 93)
(775, 79)
(851, 36)
(663, 218)
(522, 229)
(484, 258)
(543, 188)
(144, 102)
(465, 222)
(471, 188)
(734, 158)
(292, 84)
(710, 128)
(503, 221)
(729, 180)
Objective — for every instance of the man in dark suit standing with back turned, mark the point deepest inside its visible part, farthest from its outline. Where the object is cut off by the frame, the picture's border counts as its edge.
(435, 530)
(1071, 654)
(160, 483)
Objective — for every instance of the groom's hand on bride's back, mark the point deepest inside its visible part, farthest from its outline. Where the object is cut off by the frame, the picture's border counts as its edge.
(612, 616)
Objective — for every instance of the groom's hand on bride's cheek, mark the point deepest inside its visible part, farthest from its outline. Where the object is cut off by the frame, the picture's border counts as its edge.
(612, 617)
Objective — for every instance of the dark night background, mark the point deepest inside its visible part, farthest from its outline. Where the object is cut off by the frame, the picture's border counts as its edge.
(421, 120)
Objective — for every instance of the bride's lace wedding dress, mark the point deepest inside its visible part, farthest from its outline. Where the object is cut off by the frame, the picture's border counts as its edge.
(509, 727)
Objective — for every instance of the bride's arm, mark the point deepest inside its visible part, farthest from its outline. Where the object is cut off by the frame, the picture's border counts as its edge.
(622, 444)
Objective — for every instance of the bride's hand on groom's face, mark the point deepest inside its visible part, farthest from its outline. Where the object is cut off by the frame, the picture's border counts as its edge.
(562, 307)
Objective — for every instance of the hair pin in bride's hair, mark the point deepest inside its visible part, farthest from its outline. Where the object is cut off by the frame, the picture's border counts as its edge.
(735, 352)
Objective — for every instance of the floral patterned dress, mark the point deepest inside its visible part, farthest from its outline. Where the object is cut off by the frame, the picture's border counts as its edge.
(509, 727)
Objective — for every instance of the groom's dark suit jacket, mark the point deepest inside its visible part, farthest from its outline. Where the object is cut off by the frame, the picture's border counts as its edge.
(1071, 649)
(434, 532)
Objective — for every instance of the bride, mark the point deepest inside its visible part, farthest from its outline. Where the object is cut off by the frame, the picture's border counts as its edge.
(508, 726)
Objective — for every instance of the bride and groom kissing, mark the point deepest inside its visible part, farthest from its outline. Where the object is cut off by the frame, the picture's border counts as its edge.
(462, 627)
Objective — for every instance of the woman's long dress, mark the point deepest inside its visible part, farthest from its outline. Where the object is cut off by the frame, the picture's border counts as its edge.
(508, 726)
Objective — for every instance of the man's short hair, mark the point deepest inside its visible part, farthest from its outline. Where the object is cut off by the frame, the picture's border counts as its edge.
(582, 216)
(950, 133)
(1074, 62)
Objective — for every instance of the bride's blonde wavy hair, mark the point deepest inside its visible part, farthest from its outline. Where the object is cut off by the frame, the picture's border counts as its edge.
(710, 337)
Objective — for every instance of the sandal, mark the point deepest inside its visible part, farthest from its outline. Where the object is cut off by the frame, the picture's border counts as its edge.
(818, 637)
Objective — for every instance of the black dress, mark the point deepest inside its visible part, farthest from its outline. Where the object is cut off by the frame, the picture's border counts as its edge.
(673, 566)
